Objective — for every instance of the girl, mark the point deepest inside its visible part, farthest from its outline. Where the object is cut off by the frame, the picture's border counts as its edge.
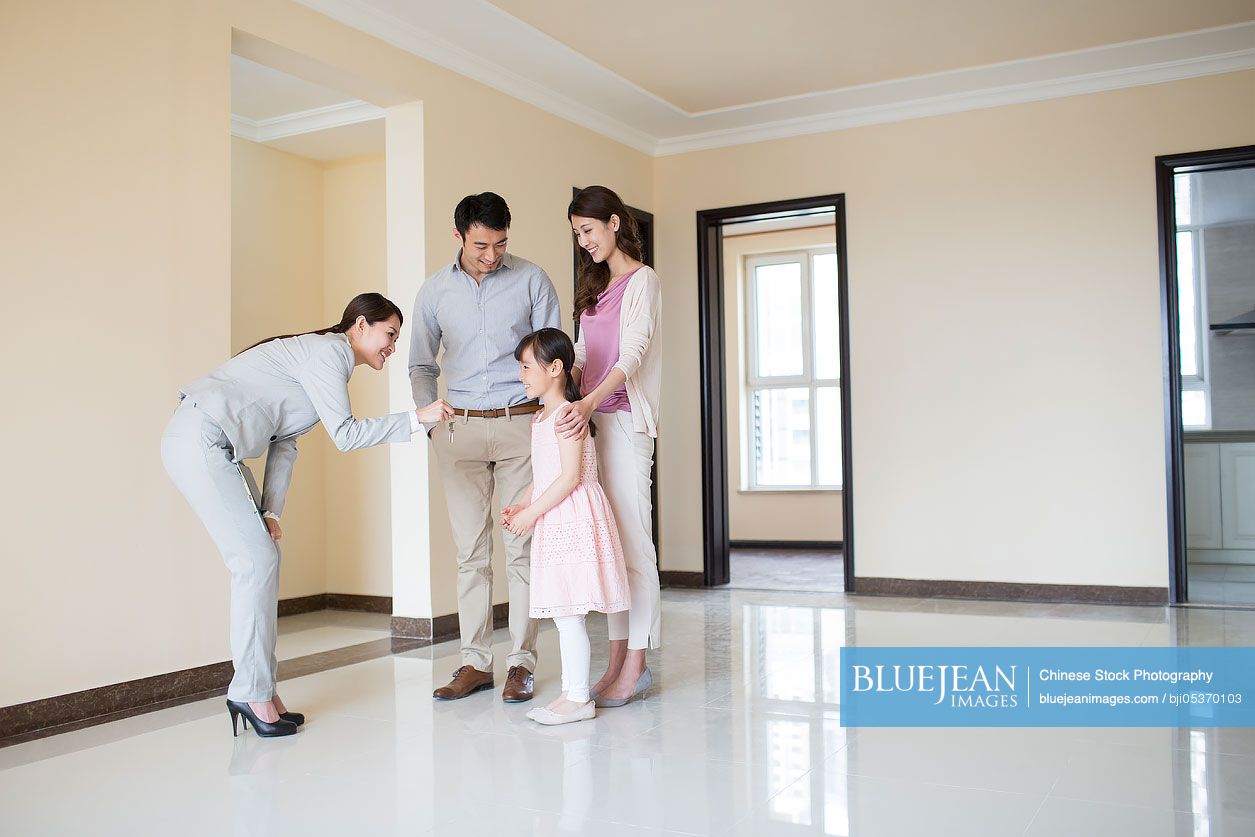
(618, 365)
(577, 563)
(259, 402)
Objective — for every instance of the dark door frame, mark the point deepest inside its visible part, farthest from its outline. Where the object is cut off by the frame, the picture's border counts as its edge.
(711, 334)
(1166, 167)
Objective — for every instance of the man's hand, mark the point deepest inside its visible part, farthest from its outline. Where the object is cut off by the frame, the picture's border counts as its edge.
(572, 422)
(435, 412)
(272, 526)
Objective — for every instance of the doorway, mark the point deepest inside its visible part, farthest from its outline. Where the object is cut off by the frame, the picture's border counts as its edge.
(1207, 269)
(796, 393)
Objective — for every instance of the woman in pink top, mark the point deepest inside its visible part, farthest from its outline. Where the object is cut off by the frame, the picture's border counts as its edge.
(618, 368)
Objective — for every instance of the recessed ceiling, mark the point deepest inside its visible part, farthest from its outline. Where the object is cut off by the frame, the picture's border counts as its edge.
(293, 115)
(666, 79)
(701, 55)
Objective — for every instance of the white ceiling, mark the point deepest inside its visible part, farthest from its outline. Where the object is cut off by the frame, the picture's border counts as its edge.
(296, 116)
(703, 55)
(668, 77)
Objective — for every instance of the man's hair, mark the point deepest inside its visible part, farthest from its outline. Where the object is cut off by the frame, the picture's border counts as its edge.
(487, 209)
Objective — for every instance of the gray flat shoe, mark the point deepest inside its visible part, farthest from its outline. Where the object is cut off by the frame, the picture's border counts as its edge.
(643, 682)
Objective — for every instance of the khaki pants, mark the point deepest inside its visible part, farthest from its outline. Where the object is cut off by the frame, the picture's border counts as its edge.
(477, 457)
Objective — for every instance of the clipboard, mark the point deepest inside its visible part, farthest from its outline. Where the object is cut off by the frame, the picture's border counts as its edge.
(254, 495)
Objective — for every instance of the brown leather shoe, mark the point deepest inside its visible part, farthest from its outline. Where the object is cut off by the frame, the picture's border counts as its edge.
(518, 685)
(467, 680)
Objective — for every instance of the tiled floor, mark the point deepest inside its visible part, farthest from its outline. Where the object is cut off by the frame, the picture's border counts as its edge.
(1222, 584)
(780, 569)
(327, 630)
(741, 736)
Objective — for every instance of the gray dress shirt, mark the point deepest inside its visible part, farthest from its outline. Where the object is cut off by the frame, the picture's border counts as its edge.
(480, 323)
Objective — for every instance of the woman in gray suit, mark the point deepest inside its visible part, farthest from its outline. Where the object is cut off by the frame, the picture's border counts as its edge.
(259, 402)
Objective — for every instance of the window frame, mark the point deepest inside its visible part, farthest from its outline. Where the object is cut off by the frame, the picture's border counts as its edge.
(755, 382)
(1200, 382)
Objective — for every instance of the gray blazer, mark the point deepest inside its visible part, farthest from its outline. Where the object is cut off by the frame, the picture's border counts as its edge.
(267, 396)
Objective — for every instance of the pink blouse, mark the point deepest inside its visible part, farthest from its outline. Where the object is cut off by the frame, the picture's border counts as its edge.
(599, 327)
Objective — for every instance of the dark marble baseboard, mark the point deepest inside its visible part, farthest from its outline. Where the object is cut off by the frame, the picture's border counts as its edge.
(302, 604)
(77, 710)
(442, 628)
(335, 601)
(800, 546)
(1009, 592)
(681, 578)
(359, 603)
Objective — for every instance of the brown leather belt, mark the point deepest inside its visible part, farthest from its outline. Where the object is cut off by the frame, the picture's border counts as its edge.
(523, 409)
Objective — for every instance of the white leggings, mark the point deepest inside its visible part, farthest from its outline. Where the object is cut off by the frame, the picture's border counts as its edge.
(576, 656)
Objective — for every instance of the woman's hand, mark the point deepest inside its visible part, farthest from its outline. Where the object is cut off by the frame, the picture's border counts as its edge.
(272, 526)
(435, 412)
(572, 422)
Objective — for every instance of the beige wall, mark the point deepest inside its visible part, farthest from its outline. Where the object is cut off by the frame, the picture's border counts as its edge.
(277, 288)
(119, 215)
(358, 516)
(1004, 334)
(122, 208)
(765, 515)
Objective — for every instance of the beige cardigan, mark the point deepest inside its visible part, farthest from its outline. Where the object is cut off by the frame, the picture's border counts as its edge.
(640, 355)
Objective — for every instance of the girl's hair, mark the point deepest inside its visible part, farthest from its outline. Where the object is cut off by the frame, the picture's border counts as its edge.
(374, 307)
(592, 278)
(548, 345)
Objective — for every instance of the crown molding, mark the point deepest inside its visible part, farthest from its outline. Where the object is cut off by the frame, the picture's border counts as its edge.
(978, 99)
(305, 121)
(535, 68)
(421, 41)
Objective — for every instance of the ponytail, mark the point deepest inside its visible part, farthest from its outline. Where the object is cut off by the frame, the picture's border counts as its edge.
(374, 307)
(548, 345)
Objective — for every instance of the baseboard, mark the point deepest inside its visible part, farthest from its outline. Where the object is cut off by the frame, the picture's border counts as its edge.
(1009, 592)
(1220, 556)
(442, 628)
(681, 578)
(335, 601)
(806, 546)
(64, 713)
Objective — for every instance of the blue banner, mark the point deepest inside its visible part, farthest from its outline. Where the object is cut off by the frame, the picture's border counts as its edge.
(1047, 687)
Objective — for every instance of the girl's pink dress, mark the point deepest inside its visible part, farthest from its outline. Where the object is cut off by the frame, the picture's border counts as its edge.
(577, 560)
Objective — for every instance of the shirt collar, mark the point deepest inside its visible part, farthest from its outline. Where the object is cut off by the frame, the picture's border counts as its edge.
(507, 263)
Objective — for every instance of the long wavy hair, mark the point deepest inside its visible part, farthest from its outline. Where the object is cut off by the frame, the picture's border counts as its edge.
(374, 307)
(592, 278)
(548, 345)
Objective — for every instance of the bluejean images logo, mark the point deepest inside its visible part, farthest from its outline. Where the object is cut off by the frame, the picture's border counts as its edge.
(1076, 687)
(962, 686)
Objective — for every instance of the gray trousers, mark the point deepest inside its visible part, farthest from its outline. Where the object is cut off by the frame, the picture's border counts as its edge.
(197, 455)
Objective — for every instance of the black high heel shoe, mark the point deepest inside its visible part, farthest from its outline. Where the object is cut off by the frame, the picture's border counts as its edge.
(264, 729)
(294, 717)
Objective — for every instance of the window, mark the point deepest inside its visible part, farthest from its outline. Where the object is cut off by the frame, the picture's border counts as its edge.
(793, 371)
(1191, 306)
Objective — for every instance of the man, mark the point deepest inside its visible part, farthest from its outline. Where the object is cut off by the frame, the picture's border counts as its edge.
(480, 307)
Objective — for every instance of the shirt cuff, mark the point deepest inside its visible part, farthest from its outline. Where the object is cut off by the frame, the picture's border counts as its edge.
(415, 424)
(270, 515)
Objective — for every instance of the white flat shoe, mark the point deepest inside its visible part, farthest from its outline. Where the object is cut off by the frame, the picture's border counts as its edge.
(546, 716)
